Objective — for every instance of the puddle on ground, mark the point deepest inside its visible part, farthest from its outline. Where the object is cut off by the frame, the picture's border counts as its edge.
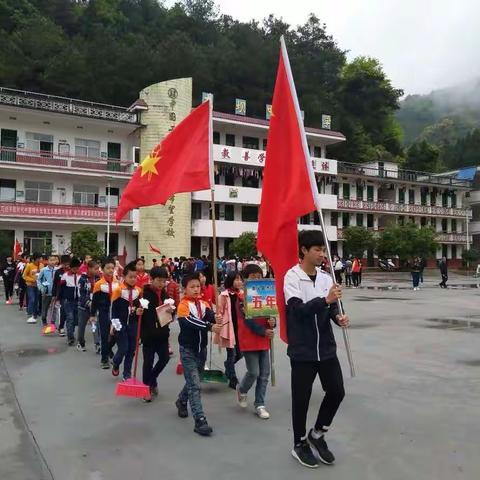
(451, 323)
(470, 363)
(360, 326)
(37, 352)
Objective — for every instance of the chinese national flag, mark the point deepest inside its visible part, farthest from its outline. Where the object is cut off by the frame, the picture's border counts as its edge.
(287, 189)
(180, 163)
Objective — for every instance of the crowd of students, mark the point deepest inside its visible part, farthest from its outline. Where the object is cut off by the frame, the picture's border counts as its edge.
(72, 294)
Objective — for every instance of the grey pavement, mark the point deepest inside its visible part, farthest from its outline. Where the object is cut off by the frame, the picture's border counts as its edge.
(412, 412)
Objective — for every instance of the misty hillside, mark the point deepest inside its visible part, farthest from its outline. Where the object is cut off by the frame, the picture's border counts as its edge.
(443, 116)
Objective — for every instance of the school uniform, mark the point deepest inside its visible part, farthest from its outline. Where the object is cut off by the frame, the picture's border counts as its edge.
(86, 286)
(69, 296)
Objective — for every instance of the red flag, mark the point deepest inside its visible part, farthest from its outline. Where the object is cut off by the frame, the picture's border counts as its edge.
(180, 163)
(17, 249)
(154, 249)
(287, 189)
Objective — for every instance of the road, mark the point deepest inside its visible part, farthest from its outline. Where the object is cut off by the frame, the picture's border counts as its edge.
(411, 412)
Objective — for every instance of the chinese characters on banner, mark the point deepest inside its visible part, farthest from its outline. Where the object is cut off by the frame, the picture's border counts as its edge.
(240, 106)
(260, 298)
(268, 111)
(172, 117)
(61, 211)
(326, 122)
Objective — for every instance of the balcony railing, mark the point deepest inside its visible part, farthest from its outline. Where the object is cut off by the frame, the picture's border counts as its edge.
(387, 207)
(441, 237)
(31, 158)
(71, 106)
(400, 174)
(57, 211)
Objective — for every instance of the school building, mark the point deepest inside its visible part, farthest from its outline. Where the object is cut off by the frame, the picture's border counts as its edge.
(65, 162)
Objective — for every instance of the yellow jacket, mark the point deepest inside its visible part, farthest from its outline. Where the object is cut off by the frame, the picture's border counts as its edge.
(30, 274)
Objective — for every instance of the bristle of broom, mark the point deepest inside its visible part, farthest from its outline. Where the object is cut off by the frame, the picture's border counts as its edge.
(135, 391)
(179, 368)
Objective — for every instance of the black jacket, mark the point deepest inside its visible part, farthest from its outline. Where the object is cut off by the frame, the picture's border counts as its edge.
(8, 272)
(309, 318)
(443, 268)
(152, 333)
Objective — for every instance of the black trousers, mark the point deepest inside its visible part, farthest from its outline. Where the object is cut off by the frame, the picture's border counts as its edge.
(8, 288)
(443, 283)
(303, 376)
(151, 371)
(356, 279)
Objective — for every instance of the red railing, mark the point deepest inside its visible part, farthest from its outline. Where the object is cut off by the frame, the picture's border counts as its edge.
(57, 211)
(20, 156)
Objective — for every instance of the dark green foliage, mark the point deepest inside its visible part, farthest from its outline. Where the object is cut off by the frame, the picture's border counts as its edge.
(108, 50)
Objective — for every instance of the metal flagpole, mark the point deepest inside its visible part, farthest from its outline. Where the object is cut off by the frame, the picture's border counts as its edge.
(107, 250)
(316, 196)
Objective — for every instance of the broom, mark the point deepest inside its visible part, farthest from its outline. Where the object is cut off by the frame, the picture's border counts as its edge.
(50, 328)
(133, 387)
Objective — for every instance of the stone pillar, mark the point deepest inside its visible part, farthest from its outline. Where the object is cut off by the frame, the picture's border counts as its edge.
(166, 227)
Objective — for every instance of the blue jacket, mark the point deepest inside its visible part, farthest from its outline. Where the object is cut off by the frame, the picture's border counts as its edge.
(45, 280)
(85, 290)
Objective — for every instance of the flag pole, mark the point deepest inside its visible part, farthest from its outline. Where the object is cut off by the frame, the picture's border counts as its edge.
(316, 197)
(212, 194)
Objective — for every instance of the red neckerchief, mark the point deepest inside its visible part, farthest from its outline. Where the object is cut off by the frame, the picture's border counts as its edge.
(198, 305)
(92, 282)
(158, 292)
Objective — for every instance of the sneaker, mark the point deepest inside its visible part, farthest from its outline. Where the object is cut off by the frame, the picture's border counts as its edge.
(105, 365)
(202, 427)
(115, 371)
(262, 413)
(79, 347)
(303, 453)
(61, 332)
(32, 320)
(71, 342)
(241, 398)
(147, 399)
(320, 445)
(182, 409)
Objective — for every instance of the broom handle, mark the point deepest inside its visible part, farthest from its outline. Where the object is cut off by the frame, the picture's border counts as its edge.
(272, 363)
(137, 345)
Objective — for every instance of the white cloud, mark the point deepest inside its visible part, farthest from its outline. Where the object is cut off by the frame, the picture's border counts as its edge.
(422, 44)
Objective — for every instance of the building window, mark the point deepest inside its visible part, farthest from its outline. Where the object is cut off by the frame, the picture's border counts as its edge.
(454, 225)
(359, 219)
(433, 223)
(114, 196)
(85, 195)
(346, 191)
(229, 213)
(39, 142)
(229, 178)
(216, 138)
(370, 221)
(401, 220)
(345, 219)
(401, 196)
(333, 219)
(305, 220)
(370, 193)
(230, 139)
(433, 198)
(411, 197)
(317, 152)
(7, 190)
(217, 212)
(136, 155)
(87, 148)
(445, 251)
(445, 199)
(37, 241)
(264, 143)
(359, 192)
(454, 200)
(454, 252)
(316, 218)
(249, 214)
(250, 181)
(444, 225)
(38, 192)
(250, 142)
(334, 188)
(423, 197)
(196, 211)
(423, 221)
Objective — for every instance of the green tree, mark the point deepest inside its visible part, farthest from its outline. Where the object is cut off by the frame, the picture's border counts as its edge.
(245, 246)
(406, 241)
(471, 256)
(358, 240)
(423, 157)
(84, 242)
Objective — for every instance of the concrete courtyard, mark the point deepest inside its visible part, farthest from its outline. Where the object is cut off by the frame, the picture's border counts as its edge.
(412, 412)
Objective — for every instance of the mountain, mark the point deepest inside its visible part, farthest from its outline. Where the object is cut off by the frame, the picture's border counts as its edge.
(443, 116)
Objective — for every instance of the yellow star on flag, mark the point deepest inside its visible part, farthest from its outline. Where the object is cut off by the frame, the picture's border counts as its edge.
(149, 164)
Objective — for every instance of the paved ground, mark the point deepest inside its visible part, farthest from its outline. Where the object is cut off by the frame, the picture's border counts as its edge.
(411, 413)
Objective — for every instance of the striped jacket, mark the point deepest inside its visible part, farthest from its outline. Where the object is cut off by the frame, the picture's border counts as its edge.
(125, 301)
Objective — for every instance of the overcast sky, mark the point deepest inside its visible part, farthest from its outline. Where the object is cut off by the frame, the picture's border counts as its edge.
(423, 44)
